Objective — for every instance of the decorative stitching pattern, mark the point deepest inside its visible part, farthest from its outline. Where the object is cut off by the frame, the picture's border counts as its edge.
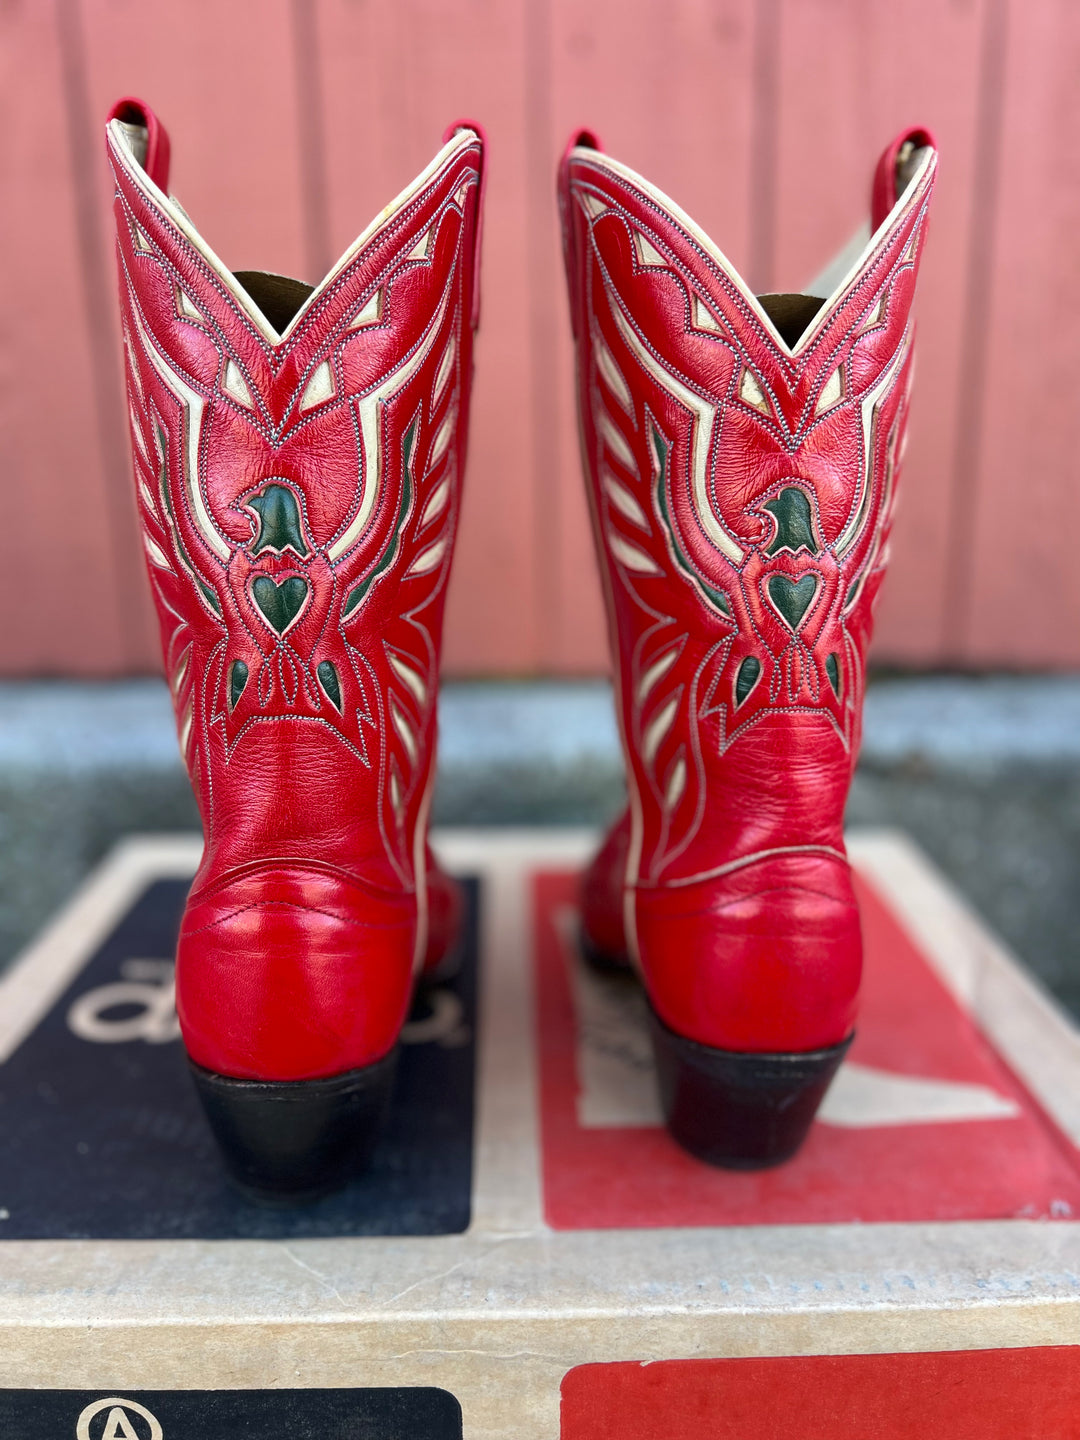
(262, 565)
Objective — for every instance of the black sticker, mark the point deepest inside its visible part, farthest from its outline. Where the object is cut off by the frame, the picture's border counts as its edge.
(102, 1137)
(401, 1413)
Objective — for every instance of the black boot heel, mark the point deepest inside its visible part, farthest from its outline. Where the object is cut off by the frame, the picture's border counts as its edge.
(294, 1140)
(739, 1110)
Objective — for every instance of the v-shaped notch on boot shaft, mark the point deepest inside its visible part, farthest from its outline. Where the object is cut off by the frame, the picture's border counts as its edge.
(792, 321)
(275, 305)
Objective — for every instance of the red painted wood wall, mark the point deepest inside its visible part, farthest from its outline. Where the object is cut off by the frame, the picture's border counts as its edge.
(293, 121)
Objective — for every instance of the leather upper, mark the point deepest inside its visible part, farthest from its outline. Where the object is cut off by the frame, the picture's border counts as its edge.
(299, 496)
(741, 489)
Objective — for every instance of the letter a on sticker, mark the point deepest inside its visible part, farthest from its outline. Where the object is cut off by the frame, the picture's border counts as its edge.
(118, 1426)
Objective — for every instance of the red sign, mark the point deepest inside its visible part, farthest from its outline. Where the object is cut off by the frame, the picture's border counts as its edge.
(925, 1122)
(950, 1395)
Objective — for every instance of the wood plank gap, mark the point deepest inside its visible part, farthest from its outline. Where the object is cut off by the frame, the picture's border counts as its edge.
(764, 144)
(962, 501)
(311, 133)
(545, 291)
(98, 284)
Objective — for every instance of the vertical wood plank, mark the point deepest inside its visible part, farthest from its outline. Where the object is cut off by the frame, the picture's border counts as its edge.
(57, 517)
(213, 98)
(394, 77)
(1023, 606)
(303, 117)
(668, 88)
(223, 80)
(852, 76)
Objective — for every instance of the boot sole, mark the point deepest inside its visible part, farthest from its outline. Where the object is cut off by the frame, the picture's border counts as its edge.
(603, 961)
(287, 1141)
(738, 1110)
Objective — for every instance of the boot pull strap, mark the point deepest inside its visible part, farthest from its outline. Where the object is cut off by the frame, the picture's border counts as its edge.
(588, 140)
(451, 131)
(890, 172)
(155, 161)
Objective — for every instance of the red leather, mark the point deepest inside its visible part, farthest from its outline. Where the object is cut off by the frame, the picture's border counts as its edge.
(883, 192)
(299, 498)
(741, 494)
(158, 149)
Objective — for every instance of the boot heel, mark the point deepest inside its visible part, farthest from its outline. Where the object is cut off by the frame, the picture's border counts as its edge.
(738, 1110)
(294, 1140)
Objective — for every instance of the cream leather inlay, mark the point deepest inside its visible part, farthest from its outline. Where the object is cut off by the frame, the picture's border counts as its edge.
(186, 307)
(703, 416)
(647, 252)
(370, 314)
(422, 249)
(751, 391)
(445, 370)
(832, 391)
(436, 503)
(676, 784)
(443, 438)
(236, 386)
(657, 728)
(430, 558)
(650, 676)
(369, 408)
(612, 375)
(616, 441)
(623, 501)
(409, 676)
(155, 552)
(185, 730)
(319, 388)
(869, 408)
(702, 316)
(404, 729)
(192, 405)
(630, 556)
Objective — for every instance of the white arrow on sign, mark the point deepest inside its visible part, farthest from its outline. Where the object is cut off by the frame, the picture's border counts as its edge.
(617, 1078)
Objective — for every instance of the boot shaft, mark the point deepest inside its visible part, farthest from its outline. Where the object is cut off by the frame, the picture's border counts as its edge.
(298, 455)
(741, 458)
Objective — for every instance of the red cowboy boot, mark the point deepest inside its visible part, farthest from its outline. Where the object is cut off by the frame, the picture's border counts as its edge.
(741, 456)
(298, 455)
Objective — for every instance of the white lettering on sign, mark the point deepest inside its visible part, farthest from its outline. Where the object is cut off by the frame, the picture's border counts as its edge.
(148, 985)
(119, 1424)
(444, 1025)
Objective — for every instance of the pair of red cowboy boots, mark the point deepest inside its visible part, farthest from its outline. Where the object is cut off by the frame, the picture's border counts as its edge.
(298, 457)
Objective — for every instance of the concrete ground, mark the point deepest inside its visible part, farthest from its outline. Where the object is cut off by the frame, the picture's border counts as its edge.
(983, 772)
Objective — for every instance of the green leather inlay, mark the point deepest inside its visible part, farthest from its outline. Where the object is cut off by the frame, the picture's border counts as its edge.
(280, 525)
(280, 602)
(791, 599)
(832, 669)
(747, 678)
(328, 679)
(794, 522)
(238, 678)
(358, 592)
(715, 597)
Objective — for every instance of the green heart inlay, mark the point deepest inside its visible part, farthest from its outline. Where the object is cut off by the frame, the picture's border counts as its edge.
(280, 602)
(791, 599)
